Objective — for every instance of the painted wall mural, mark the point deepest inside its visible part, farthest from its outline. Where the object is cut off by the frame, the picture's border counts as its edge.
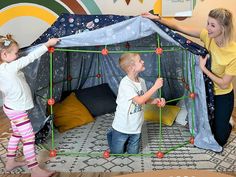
(27, 14)
(128, 1)
(44, 9)
(48, 11)
(28, 19)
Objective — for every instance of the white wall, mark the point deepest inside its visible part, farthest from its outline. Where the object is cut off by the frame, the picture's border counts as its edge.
(25, 30)
(1, 101)
(121, 8)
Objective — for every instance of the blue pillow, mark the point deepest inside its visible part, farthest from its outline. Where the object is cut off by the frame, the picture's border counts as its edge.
(99, 99)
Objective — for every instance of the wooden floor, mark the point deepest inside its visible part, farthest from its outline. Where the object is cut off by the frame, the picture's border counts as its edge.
(4, 127)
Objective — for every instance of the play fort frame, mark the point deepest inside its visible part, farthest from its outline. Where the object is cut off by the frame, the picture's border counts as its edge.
(160, 153)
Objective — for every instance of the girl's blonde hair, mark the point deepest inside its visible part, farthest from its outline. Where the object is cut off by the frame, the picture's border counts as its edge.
(225, 19)
(126, 60)
(6, 42)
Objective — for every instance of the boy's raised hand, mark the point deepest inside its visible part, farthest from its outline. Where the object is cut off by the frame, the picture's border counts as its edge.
(52, 42)
(161, 102)
(159, 83)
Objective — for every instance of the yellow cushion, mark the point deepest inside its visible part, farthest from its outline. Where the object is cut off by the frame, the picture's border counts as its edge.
(169, 113)
(70, 113)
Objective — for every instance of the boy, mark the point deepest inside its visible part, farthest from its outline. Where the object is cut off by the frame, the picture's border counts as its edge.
(125, 134)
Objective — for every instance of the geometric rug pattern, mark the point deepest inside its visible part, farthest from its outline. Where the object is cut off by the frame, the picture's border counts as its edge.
(90, 141)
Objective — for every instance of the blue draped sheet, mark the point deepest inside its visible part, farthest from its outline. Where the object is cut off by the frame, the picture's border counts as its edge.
(118, 33)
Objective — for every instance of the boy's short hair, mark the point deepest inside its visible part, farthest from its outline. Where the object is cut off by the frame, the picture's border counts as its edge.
(126, 60)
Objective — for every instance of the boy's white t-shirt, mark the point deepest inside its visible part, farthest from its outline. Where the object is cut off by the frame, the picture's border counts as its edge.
(129, 115)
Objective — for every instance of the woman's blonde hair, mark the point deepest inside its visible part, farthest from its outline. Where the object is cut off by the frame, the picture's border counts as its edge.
(225, 19)
(6, 42)
(126, 60)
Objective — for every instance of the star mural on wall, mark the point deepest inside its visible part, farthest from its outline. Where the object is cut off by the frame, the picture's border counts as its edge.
(128, 1)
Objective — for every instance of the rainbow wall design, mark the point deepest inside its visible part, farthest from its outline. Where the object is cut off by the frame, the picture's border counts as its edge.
(47, 10)
(32, 17)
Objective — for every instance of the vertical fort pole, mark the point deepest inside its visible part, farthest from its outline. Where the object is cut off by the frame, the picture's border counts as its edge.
(159, 51)
(51, 100)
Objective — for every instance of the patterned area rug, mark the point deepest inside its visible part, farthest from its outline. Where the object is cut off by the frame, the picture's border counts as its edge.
(84, 147)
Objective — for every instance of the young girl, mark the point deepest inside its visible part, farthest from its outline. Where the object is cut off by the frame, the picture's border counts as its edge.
(17, 100)
(218, 39)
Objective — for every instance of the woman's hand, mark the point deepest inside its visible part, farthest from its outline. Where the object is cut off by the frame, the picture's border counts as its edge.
(202, 62)
(158, 83)
(150, 16)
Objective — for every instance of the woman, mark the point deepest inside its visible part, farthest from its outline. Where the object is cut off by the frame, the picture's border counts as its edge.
(218, 39)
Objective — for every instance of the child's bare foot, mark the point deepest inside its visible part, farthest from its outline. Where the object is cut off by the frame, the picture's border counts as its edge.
(12, 164)
(39, 172)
